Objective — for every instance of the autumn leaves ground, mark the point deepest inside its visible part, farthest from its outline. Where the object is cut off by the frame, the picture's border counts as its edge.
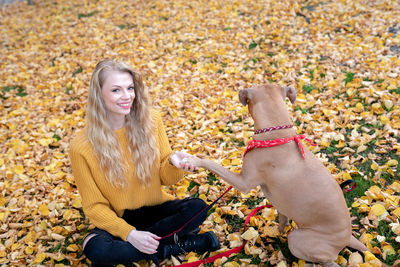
(343, 58)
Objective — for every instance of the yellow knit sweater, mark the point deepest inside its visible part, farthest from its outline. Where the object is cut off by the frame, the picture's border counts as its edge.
(103, 203)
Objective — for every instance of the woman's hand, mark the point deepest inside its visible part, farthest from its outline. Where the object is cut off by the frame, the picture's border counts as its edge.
(144, 241)
(181, 160)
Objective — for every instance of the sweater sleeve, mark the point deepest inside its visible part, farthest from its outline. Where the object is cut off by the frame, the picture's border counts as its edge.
(169, 174)
(95, 206)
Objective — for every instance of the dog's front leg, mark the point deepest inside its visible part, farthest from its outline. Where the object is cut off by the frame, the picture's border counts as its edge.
(243, 181)
(283, 220)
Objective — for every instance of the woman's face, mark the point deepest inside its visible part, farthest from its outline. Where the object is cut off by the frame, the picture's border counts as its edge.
(118, 94)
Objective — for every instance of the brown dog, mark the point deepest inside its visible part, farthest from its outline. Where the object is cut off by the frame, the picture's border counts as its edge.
(301, 189)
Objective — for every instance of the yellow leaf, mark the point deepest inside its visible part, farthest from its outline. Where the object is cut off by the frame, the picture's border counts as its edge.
(341, 144)
(377, 108)
(61, 174)
(384, 119)
(203, 197)
(324, 143)
(53, 122)
(29, 250)
(359, 107)
(392, 163)
(388, 249)
(366, 238)
(346, 176)
(40, 257)
(46, 141)
(67, 214)
(396, 212)
(77, 203)
(180, 191)
(226, 162)
(19, 169)
(31, 237)
(369, 256)
(231, 264)
(73, 248)
(191, 257)
(236, 162)
(44, 210)
(375, 190)
(340, 260)
(363, 208)
(250, 234)
(271, 231)
(395, 186)
(217, 218)
(378, 209)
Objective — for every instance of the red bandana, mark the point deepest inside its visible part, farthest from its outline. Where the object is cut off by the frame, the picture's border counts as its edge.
(270, 143)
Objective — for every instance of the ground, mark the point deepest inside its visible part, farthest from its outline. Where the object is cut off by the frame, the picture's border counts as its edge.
(341, 56)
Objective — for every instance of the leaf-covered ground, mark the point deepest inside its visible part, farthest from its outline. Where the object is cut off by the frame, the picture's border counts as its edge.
(343, 58)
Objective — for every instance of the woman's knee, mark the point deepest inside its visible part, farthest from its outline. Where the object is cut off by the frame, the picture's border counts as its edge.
(193, 206)
(196, 204)
(97, 247)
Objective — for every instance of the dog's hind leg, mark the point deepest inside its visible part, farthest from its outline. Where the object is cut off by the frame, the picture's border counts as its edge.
(283, 222)
(356, 244)
(311, 246)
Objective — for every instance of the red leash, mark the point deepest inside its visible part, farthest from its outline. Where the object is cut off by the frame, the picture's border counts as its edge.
(229, 252)
(209, 206)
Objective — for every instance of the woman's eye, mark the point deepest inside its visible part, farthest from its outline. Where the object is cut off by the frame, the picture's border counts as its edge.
(115, 90)
(131, 88)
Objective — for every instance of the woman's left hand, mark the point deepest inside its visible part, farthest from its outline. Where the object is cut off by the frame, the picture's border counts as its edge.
(180, 160)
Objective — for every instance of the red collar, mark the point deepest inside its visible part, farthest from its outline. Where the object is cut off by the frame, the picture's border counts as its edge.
(270, 143)
(264, 130)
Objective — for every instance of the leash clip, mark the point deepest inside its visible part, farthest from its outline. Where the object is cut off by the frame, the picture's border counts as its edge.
(348, 185)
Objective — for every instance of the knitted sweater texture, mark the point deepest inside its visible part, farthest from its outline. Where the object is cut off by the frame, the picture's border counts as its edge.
(103, 203)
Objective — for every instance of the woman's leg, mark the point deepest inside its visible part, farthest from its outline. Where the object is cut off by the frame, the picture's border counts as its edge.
(104, 249)
(170, 216)
(165, 218)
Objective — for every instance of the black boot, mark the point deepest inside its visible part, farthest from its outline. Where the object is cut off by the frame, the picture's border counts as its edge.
(198, 243)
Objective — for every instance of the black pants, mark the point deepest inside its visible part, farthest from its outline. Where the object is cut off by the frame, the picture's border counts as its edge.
(160, 220)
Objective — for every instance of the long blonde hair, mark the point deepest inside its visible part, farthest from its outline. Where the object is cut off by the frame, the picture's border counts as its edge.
(138, 123)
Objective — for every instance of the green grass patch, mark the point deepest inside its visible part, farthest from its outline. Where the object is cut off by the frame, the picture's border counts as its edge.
(362, 186)
(17, 89)
(252, 45)
(86, 15)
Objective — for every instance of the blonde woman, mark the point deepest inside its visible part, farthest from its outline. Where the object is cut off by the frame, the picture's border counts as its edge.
(120, 162)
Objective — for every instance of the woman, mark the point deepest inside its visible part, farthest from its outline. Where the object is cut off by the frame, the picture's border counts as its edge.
(120, 162)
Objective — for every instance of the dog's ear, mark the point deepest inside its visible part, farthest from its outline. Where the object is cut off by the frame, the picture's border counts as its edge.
(244, 96)
(290, 93)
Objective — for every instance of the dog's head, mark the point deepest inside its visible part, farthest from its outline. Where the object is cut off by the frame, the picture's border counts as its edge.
(258, 93)
(266, 94)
